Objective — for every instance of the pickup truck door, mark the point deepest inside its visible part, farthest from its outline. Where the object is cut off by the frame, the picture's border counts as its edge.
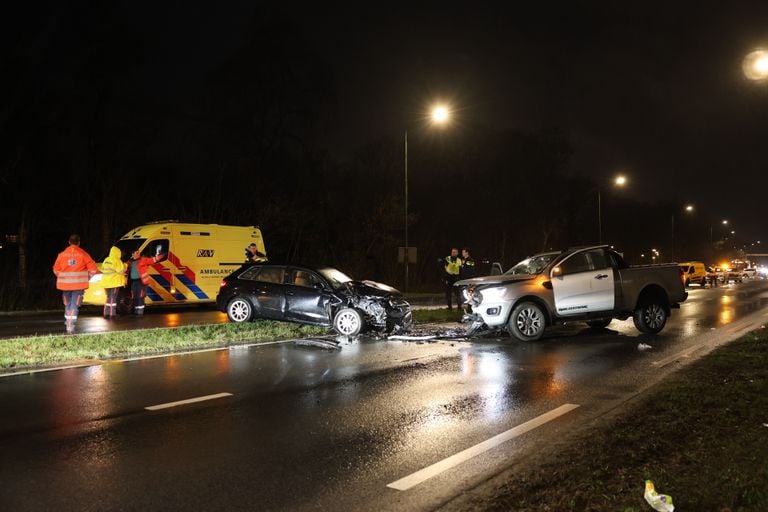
(584, 283)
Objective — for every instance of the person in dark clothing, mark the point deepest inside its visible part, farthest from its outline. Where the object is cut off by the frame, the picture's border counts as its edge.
(451, 268)
(252, 254)
(467, 269)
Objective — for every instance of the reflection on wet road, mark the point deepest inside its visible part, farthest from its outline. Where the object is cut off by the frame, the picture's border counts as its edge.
(308, 429)
(91, 321)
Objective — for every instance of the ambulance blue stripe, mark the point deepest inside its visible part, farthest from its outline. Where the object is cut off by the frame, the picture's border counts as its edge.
(163, 282)
(153, 296)
(192, 286)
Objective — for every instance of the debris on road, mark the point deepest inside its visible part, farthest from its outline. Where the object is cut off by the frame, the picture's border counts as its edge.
(327, 343)
(644, 346)
(659, 502)
(411, 338)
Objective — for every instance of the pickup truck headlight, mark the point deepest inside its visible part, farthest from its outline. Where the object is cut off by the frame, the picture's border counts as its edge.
(495, 293)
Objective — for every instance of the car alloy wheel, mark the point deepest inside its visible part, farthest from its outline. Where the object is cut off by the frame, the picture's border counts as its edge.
(239, 310)
(654, 316)
(527, 322)
(348, 322)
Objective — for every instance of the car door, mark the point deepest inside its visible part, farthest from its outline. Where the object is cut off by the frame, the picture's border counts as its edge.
(583, 283)
(307, 296)
(268, 291)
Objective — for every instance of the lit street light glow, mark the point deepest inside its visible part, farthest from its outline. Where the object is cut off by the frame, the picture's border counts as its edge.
(440, 114)
(755, 65)
(621, 180)
(689, 208)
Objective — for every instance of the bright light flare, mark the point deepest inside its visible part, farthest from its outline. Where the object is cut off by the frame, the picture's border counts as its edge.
(620, 180)
(755, 65)
(689, 208)
(440, 114)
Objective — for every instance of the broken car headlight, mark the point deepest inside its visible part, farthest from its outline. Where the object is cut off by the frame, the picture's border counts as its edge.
(493, 294)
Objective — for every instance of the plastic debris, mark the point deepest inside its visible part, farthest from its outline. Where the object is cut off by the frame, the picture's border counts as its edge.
(659, 502)
(319, 343)
(411, 338)
(644, 346)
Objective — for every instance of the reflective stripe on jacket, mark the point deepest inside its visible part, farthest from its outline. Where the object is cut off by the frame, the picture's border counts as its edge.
(73, 268)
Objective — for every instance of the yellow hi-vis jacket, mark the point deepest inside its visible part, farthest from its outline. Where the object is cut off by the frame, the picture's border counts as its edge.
(113, 270)
(452, 267)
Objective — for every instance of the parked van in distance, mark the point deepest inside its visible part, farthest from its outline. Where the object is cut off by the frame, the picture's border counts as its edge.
(695, 273)
(197, 258)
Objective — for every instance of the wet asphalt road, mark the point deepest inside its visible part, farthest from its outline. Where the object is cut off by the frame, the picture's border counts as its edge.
(90, 320)
(305, 428)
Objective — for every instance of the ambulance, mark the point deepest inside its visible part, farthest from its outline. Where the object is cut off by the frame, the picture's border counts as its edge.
(197, 258)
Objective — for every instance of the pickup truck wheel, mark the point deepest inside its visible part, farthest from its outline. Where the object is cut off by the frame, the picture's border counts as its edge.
(650, 318)
(703, 282)
(239, 310)
(599, 324)
(348, 322)
(527, 322)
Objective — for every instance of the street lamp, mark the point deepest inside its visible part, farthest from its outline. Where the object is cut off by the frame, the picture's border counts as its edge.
(618, 181)
(688, 209)
(439, 115)
(755, 65)
(711, 240)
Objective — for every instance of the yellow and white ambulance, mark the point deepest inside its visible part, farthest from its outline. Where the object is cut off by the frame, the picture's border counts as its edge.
(197, 258)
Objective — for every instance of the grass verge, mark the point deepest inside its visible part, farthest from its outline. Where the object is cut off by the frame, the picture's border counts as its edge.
(54, 349)
(59, 349)
(701, 436)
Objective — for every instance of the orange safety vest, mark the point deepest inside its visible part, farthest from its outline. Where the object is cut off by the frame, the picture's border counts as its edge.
(73, 268)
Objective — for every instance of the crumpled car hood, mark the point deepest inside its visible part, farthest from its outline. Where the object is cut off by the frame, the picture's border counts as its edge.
(500, 279)
(373, 289)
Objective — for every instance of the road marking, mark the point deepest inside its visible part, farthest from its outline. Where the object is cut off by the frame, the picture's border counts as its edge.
(187, 401)
(422, 475)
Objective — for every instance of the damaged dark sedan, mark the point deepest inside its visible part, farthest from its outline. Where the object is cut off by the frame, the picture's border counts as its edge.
(320, 296)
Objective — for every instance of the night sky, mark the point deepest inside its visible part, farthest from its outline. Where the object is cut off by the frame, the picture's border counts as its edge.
(652, 90)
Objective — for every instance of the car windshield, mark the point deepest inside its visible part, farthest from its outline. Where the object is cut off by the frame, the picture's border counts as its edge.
(533, 265)
(335, 278)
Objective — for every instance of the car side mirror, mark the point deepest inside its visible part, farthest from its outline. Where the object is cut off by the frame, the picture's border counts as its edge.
(319, 286)
(557, 272)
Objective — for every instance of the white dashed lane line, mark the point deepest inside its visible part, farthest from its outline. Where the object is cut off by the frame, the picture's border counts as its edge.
(422, 475)
(187, 401)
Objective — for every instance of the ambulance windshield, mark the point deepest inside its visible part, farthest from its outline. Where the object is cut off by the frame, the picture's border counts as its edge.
(128, 246)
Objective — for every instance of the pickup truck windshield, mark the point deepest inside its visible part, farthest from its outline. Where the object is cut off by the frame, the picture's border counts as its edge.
(533, 265)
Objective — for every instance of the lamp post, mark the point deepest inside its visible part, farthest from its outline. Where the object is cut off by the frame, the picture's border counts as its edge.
(618, 181)
(711, 240)
(439, 115)
(688, 208)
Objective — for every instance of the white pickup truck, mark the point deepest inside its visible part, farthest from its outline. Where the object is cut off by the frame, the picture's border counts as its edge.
(588, 284)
